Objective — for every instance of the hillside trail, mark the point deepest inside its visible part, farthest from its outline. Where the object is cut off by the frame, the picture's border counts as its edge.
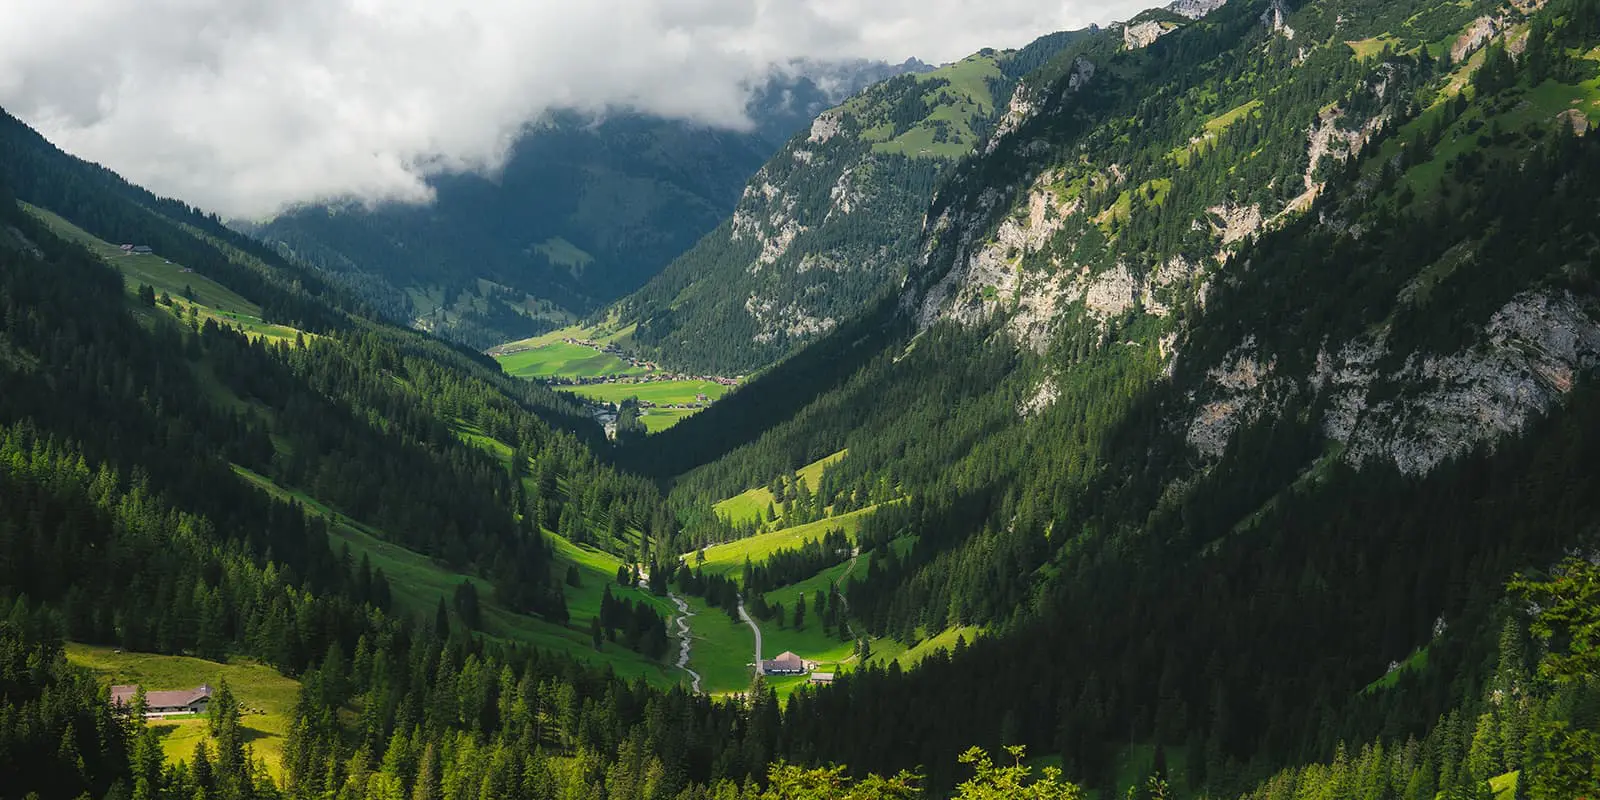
(754, 627)
(682, 621)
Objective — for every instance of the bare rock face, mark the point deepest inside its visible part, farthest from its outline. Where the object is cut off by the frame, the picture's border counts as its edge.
(1043, 397)
(1019, 110)
(1333, 137)
(824, 127)
(1276, 17)
(1433, 408)
(1195, 9)
(1236, 393)
(1479, 33)
(1235, 222)
(790, 320)
(1531, 352)
(1082, 72)
(1141, 34)
(987, 275)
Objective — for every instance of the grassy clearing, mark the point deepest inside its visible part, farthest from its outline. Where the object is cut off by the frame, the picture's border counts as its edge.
(753, 503)
(564, 253)
(943, 640)
(561, 360)
(418, 583)
(1138, 761)
(659, 419)
(722, 649)
(1416, 662)
(256, 686)
(946, 132)
(211, 300)
(729, 558)
(658, 392)
(1505, 786)
(1371, 48)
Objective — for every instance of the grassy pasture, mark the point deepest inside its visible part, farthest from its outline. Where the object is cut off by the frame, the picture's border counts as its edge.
(753, 503)
(722, 649)
(658, 392)
(561, 360)
(728, 558)
(257, 687)
(417, 583)
(212, 300)
(660, 419)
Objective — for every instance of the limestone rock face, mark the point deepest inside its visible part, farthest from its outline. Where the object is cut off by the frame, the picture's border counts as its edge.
(1528, 356)
(1195, 9)
(1236, 393)
(1141, 34)
(1429, 409)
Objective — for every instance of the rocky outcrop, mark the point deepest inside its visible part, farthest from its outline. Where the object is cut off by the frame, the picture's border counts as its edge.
(789, 321)
(1235, 222)
(1019, 110)
(986, 275)
(825, 126)
(1136, 35)
(1530, 353)
(1331, 138)
(1276, 17)
(1195, 9)
(1082, 72)
(1431, 408)
(1236, 393)
(1479, 33)
(1043, 397)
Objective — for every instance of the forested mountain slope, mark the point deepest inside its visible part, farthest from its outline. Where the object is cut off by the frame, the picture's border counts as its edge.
(829, 224)
(1236, 378)
(1230, 375)
(234, 367)
(583, 212)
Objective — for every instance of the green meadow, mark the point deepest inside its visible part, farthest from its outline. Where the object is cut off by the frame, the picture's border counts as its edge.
(561, 360)
(418, 583)
(752, 504)
(658, 392)
(729, 557)
(266, 697)
(210, 300)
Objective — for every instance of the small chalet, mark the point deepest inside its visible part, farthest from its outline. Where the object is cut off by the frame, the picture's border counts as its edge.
(786, 663)
(161, 704)
(142, 250)
(821, 677)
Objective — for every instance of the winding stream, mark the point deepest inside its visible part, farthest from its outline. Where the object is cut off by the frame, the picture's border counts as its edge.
(682, 621)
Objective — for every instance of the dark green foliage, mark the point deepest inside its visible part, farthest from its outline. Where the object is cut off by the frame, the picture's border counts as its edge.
(58, 735)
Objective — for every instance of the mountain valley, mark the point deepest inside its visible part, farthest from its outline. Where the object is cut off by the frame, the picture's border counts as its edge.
(1199, 406)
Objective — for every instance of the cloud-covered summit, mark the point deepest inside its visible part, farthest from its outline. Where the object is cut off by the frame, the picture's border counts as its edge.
(245, 106)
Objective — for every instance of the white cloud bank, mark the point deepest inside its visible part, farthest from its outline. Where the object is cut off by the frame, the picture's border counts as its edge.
(245, 106)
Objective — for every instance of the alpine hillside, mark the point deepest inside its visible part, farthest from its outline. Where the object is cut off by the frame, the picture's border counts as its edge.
(1214, 415)
(829, 223)
(584, 211)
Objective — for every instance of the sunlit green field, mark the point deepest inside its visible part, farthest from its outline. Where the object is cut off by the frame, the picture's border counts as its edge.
(658, 392)
(209, 299)
(729, 558)
(752, 504)
(561, 360)
(259, 689)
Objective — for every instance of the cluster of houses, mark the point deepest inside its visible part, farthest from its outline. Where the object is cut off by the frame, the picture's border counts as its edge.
(787, 663)
(164, 704)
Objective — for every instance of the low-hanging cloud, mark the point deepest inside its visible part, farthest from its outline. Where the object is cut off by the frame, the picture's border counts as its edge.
(246, 106)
